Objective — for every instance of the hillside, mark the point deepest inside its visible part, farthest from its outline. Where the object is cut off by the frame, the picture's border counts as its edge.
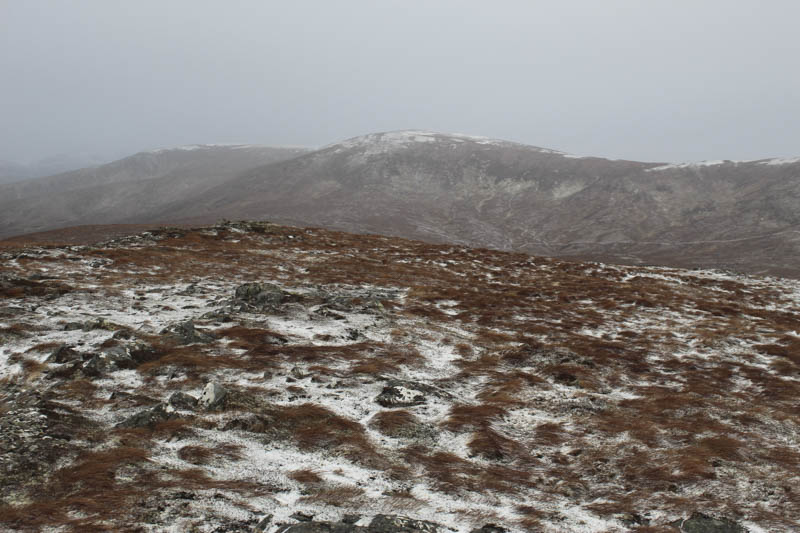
(448, 188)
(508, 196)
(130, 187)
(256, 377)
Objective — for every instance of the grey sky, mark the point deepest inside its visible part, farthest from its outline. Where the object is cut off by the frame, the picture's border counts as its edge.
(650, 80)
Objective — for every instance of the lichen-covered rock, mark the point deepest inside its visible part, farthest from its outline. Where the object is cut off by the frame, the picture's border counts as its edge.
(702, 523)
(181, 400)
(212, 397)
(149, 417)
(401, 394)
(400, 524)
(63, 354)
(187, 333)
(259, 296)
(322, 527)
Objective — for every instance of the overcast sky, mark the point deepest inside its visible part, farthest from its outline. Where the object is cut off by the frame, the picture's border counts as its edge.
(652, 80)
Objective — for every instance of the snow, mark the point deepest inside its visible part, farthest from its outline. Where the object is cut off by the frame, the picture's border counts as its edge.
(151, 307)
(785, 161)
(696, 164)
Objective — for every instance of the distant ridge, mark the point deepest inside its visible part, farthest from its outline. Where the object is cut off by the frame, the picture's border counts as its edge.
(739, 215)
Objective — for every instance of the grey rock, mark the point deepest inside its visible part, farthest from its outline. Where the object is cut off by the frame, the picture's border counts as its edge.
(259, 296)
(400, 524)
(149, 417)
(401, 394)
(298, 373)
(702, 523)
(99, 323)
(490, 528)
(181, 400)
(63, 354)
(263, 524)
(186, 333)
(213, 396)
(321, 527)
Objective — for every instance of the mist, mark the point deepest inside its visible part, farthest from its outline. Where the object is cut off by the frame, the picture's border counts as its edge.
(653, 81)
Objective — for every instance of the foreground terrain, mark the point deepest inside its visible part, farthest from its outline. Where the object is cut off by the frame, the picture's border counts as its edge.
(255, 377)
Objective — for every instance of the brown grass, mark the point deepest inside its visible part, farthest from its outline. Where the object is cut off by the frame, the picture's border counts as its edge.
(305, 476)
(201, 455)
(394, 423)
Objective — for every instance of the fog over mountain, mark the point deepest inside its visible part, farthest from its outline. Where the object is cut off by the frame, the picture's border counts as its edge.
(130, 187)
(11, 171)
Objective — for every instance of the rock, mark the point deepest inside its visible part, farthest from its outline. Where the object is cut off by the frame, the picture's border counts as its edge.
(297, 373)
(259, 296)
(400, 524)
(181, 400)
(149, 417)
(321, 527)
(263, 524)
(702, 523)
(396, 394)
(490, 528)
(213, 396)
(123, 334)
(123, 356)
(186, 333)
(63, 354)
(351, 518)
(99, 323)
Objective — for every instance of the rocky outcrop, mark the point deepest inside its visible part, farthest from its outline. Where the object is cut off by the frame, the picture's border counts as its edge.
(262, 297)
(379, 524)
(149, 417)
(703, 523)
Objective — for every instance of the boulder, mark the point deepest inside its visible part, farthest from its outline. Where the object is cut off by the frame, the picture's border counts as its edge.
(490, 528)
(259, 296)
(212, 397)
(321, 527)
(402, 394)
(183, 401)
(400, 524)
(186, 333)
(120, 357)
(63, 354)
(702, 523)
(149, 417)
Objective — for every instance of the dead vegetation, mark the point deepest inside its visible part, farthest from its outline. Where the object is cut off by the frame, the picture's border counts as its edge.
(572, 382)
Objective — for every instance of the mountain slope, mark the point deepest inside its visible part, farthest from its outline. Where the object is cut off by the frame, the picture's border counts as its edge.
(483, 192)
(450, 188)
(249, 374)
(131, 187)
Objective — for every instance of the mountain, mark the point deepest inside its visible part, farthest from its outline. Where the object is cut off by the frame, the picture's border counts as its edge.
(252, 377)
(744, 216)
(509, 196)
(130, 187)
